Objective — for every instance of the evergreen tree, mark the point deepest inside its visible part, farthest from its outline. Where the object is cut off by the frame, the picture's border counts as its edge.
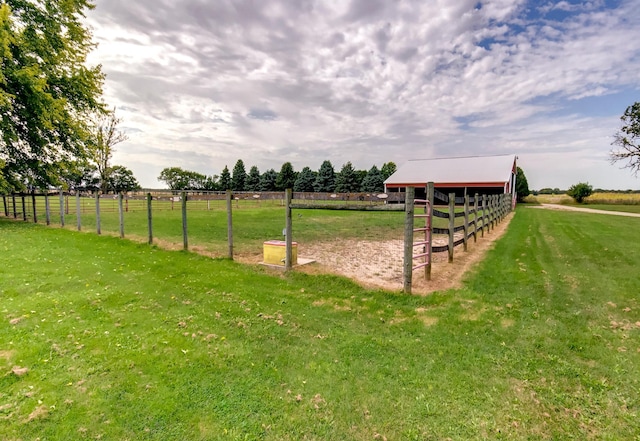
(268, 180)
(47, 93)
(373, 182)
(253, 179)
(326, 178)
(522, 186)
(388, 168)
(305, 180)
(239, 176)
(360, 175)
(225, 179)
(347, 181)
(286, 177)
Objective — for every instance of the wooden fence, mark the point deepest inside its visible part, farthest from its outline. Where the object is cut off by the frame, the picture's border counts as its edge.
(475, 214)
(453, 221)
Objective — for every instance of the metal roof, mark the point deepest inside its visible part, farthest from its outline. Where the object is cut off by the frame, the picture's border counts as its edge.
(465, 170)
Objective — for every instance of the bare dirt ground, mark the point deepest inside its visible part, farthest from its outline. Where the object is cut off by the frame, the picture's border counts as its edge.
(378, 264)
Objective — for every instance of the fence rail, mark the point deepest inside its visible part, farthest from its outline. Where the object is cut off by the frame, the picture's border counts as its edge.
(477, 213)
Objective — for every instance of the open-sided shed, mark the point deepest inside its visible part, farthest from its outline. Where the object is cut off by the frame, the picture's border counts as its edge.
(464, 175)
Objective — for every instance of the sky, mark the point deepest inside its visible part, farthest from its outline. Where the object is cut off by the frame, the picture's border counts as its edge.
(199, 84)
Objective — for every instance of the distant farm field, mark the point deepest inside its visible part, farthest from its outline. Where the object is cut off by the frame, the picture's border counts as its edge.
(108, 339)
(608, 198)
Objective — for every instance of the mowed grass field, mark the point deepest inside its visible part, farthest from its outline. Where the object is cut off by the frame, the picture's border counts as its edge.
(102, 338)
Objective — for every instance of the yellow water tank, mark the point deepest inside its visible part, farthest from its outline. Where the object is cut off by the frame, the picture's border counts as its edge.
(275, 251)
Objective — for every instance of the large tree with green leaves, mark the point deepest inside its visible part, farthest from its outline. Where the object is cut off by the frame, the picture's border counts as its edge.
(47, 92)
(627, 139)
(121, 179)
(178, 179)
(388, 168)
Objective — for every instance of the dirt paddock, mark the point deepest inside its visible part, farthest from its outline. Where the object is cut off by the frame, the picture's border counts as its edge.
(378, 264)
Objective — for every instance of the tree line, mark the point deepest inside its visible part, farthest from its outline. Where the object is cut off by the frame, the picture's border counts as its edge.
(325, 179)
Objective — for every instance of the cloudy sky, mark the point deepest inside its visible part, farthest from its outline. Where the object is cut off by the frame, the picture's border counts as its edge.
(200, 84)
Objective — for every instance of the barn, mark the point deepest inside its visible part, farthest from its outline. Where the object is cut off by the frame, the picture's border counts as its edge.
(463, 175)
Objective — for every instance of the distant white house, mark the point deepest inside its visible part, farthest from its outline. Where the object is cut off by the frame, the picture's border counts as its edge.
(464, 175)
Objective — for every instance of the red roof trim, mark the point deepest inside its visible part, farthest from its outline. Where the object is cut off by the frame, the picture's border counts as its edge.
(451, 184)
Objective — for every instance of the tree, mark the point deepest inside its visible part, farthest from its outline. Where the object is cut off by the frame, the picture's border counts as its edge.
(178, 179)
(360, 175)
(347, 181)
(580, 191)
(373, 181)
(105, 135)
(388, 168)
(79, 175)
(239, 176)
(286, 177)
(47, 93)
(225, 179)
(268, 180)
(211, 183)
(628, 139)
(121, 179)
(326, 178)
(253, 179)
(305, 180)
(522, 186)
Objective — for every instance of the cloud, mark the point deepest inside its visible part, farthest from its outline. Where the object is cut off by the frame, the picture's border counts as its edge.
(363, 81)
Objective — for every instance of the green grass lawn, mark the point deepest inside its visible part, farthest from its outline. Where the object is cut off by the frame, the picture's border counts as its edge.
(614, 207)
(108, 339)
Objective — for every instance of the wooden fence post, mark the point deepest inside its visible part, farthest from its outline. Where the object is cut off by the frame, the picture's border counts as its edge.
(409, 198)
(62, 208)
(121, 214)
(24, 207)
(98, 226)
(47, 208)
(78, 217)
(185, 238)
(493, 211)
(452, 223)
(431, 199)
(466, 221)
(149, 221)
(13, 203)
(288, 238)
(475, 218)
(33, 206)
(229, 224)
(6, 206)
